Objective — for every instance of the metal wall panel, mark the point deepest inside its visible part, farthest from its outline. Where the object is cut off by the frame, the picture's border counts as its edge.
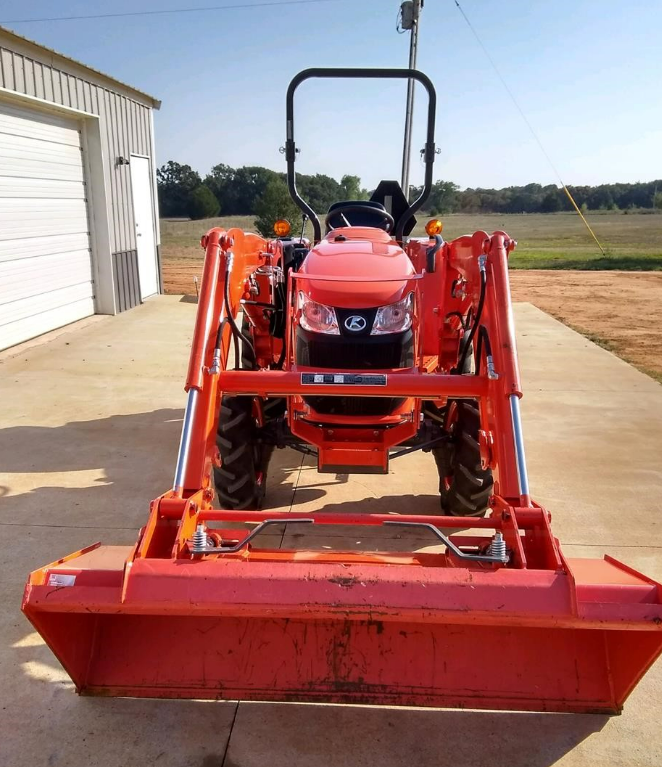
(127, 280)
(125, 125)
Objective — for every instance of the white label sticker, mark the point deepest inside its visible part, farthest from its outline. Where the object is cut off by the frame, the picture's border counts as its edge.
(338, 378)
(319, 378)
(60, 579)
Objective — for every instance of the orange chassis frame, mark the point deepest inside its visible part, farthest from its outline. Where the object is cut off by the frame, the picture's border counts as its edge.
(539, 632)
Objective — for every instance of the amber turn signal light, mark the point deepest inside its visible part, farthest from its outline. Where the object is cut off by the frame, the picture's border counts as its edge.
(282, 227)
(434, 226)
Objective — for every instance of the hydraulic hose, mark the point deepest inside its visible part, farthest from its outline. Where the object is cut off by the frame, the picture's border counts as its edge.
(236, 333)
(216, 359)
(483, 338)
(479, 311)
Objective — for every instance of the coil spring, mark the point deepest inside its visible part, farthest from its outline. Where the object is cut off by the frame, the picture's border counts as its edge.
(497, 546)
(200, 537)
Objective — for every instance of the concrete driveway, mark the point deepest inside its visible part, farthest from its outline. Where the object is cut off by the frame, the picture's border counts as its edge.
(90, 425)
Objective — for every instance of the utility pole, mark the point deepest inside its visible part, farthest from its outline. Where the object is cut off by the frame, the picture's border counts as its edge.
(410, 12)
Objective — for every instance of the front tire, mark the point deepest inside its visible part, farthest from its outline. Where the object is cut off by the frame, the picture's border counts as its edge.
(241, 478)
(464, 486)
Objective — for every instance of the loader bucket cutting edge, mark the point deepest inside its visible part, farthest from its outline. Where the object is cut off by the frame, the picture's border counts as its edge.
(358, 633)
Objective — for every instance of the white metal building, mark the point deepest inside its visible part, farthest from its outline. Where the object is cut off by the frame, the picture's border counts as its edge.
(79, 226)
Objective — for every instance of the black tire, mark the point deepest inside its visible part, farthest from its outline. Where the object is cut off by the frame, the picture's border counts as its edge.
(241, 478)
(464, 486)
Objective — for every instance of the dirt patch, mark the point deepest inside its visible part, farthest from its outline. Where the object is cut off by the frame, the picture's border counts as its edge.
(621, 311)
(178, 274)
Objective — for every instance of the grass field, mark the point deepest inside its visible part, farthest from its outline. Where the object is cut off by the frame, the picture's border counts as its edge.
(545, 241)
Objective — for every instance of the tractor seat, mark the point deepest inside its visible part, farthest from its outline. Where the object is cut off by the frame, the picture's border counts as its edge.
(364, 217)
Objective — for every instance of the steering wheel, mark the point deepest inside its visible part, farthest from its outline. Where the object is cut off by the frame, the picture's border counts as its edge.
(387, 220)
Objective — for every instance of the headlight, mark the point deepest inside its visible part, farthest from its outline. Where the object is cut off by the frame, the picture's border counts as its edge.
(317, 317)
(394, 318)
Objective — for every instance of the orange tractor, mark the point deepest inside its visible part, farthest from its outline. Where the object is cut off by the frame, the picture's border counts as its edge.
(361, 347)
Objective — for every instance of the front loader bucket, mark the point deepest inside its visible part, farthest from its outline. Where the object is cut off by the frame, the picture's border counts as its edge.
(308, 626)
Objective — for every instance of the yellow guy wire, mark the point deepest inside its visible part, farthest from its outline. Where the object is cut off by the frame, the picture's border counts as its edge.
(530, 127)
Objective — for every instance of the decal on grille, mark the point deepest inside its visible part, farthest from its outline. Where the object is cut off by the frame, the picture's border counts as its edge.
(344, 379)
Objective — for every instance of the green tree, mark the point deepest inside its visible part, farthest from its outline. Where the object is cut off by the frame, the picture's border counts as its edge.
(443, 197)
(351, 188)
(273, 204)
(202, 203)
(469, 201)
(238, 189)
(248, 185)
(657, 201)
(220, 179)
(319, 191)
(600, 198)
(551, 202)
(175, 182)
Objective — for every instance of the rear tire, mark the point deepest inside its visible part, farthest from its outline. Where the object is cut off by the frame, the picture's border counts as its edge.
(241, 478)
(464, 486)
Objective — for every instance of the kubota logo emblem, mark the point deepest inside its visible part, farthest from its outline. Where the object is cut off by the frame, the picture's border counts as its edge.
(355, 323)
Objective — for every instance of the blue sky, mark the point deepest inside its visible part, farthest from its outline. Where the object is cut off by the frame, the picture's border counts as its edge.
(588, 74)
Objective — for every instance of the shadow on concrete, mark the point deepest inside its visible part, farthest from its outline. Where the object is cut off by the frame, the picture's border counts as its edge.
(344, 736)
(98, 473)
(104, 472)
(409, 503)
(75, 731)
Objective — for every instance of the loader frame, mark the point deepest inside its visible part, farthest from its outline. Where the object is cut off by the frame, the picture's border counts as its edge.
(493, 617)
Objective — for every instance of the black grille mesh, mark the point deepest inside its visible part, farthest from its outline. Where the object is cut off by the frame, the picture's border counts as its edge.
(352, 355)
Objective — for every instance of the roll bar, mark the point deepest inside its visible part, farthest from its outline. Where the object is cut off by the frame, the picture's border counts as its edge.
(388, 74)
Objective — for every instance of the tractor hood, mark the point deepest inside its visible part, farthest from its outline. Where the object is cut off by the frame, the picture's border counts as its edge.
(358, 257)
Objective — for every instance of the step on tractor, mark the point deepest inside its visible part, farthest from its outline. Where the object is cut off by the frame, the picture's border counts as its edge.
(356, 347)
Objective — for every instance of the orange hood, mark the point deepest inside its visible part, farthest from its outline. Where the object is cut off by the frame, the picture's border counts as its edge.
(364, 254)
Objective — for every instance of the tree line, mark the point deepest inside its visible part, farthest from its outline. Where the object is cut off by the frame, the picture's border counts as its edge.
(254, 190)
(447, 197)
(238, 191)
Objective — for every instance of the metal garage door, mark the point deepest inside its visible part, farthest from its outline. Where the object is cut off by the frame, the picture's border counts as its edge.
(45, 257)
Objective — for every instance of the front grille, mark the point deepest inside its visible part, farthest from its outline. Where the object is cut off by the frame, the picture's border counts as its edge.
(352, 355)
(341, 353)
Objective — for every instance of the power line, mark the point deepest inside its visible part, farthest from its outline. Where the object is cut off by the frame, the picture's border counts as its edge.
(235, 6)
(528, 124)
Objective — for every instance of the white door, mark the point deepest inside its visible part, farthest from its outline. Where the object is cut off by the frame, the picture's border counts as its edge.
(45, 259)
(141, 187)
